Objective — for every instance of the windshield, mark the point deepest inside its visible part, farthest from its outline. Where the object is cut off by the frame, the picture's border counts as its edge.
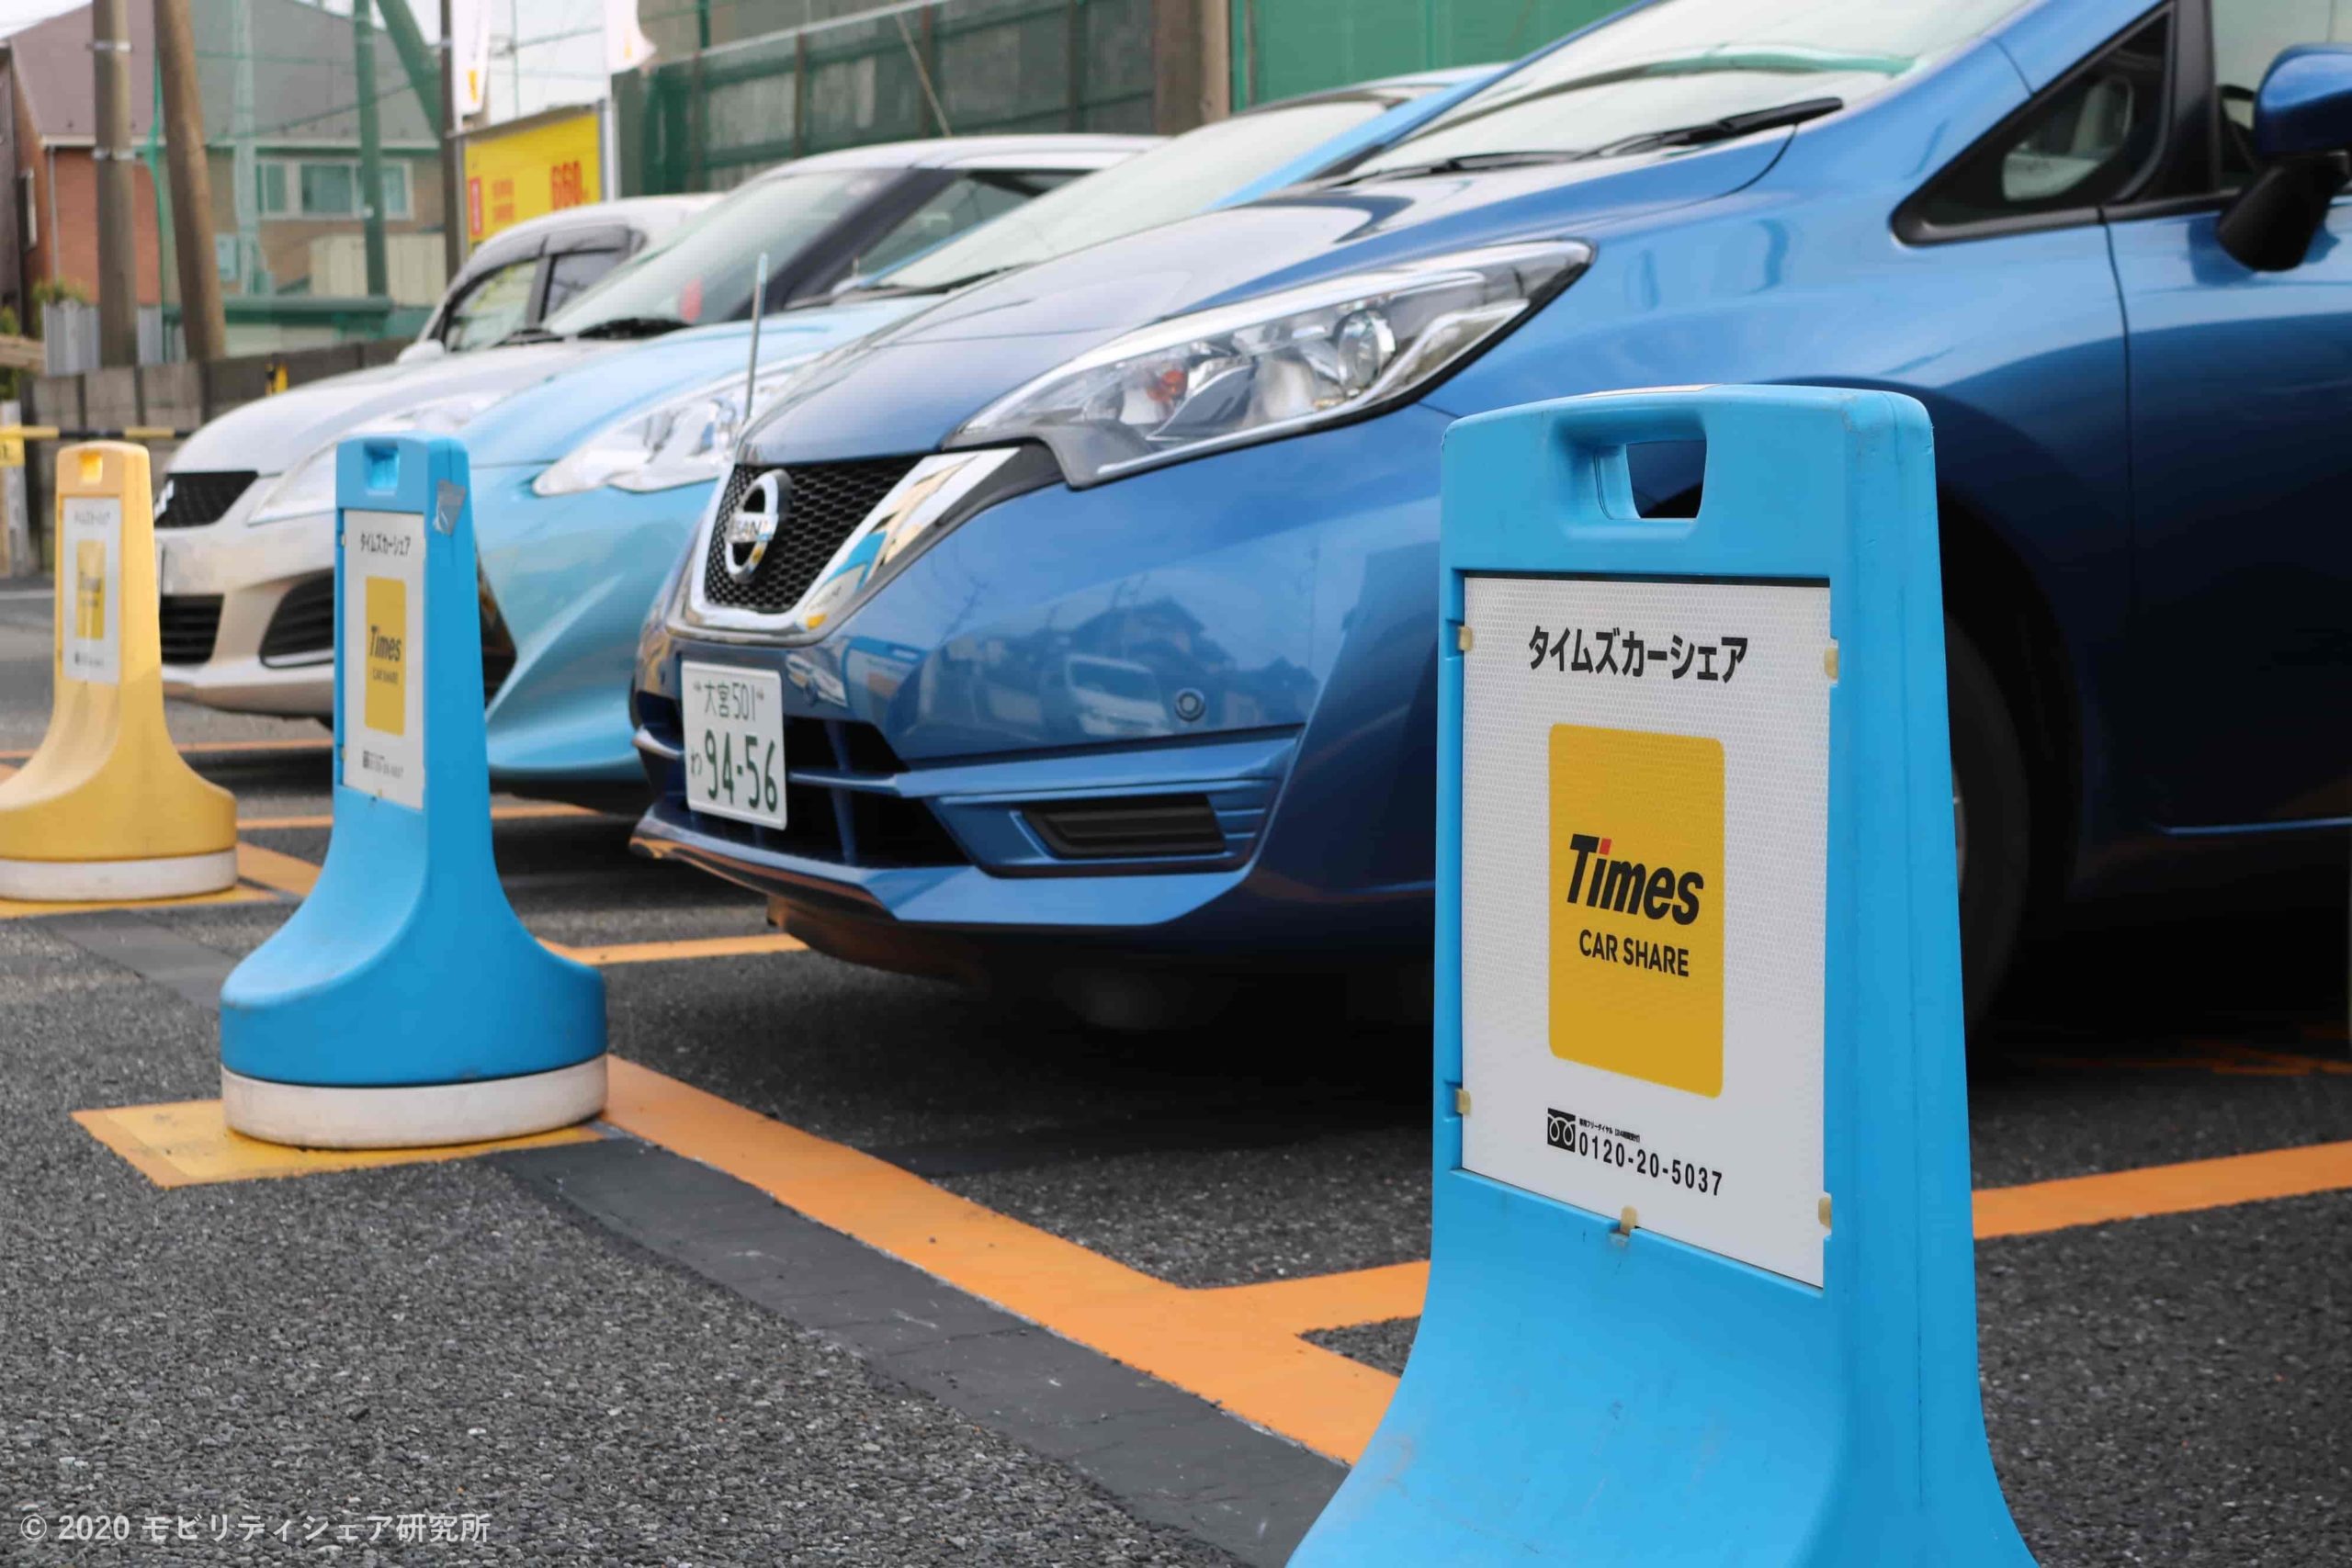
(1676, 63)
(1173, 180)
(703, 271)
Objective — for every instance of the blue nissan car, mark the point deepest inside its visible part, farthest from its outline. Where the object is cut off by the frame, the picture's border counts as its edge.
(1079, 632)
(587, 483)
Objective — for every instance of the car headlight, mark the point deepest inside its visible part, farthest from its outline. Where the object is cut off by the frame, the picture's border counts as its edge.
(307, 489)
(1275, 364)
(684, 440)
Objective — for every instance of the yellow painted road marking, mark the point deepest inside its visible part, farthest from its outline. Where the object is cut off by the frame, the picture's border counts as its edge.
(278, 872)
(289, 874)
(212, 748)
(1195, 1339)
(25, 908)
(1235, 1346)
(2164, 1190)
(187, 1143)
(1333, 1300)
(693, 947)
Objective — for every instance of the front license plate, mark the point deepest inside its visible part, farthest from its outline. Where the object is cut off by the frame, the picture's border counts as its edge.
(734, 741)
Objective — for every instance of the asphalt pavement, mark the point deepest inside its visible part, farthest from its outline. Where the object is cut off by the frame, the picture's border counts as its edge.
(698, 1338)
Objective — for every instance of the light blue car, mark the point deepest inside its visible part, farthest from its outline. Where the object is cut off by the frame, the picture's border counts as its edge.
(588, 485)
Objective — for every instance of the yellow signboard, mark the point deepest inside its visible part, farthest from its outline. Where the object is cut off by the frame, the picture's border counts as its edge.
(1638, 882)
(387, 705)
(531, 168)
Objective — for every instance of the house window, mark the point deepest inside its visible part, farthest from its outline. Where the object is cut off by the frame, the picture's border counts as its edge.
(328, 188)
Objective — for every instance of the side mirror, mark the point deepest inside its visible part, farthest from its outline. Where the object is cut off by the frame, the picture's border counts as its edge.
(422, 349)
(2302, 129)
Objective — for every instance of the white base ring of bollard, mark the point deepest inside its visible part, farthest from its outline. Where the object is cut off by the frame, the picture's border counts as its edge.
(411, 1116)
(94, 881)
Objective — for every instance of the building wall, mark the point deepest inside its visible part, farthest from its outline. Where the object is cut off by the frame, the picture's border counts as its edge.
(286, 242)
(69, 224)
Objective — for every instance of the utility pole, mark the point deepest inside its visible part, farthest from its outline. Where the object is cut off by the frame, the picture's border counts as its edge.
(371, 148)
(454, 199)
(1191, 62)
(201, 323)
(118, 238)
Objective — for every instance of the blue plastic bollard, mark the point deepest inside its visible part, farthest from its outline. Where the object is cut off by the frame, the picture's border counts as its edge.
(403, 1003)
(1698, 970)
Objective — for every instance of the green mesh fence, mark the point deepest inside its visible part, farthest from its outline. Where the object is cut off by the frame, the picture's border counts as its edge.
(703, 121)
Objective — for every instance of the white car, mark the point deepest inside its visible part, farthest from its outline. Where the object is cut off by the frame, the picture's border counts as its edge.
(521, 275)
(245, 522)
(229, 472)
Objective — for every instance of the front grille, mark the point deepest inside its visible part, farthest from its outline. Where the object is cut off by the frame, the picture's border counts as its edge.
(188, 623)
(1131, 828)
(302, 629)
(828, 501)
(190, 501)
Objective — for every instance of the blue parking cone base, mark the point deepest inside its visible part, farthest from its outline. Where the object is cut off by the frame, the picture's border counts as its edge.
(403, 1004)
(1701, 1279)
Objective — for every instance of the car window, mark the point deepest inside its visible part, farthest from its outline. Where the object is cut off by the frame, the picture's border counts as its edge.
(964, 203)
(1173, 180)
(497, 304)
(1673, 64)
(702, 273)
(571, 272)
(2082, 145)
(2247, 36)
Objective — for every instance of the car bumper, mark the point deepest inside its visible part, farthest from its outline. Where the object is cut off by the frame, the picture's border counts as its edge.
(247, 614)
(938, 732)
(573, 577)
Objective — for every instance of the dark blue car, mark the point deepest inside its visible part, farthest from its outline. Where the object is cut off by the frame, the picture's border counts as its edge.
(1082, 628)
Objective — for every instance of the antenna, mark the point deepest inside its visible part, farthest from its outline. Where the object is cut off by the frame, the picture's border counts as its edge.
(759, 308)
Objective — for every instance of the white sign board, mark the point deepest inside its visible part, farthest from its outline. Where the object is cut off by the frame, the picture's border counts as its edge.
(90, 554)
(1645, 817)
(383, 655)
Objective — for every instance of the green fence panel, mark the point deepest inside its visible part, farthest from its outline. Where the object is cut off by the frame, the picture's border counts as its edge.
(964, 67)
(1281, 48)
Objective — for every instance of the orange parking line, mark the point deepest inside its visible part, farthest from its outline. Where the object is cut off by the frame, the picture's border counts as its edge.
(1333, 1300)
(278, 872)
(212, 748)
(1217, 1348)
(32, 910)
(692, 947)
(187, 1143)
(2162, 1189)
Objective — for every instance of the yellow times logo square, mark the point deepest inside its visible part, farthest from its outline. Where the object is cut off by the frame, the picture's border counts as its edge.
(386, 709)
(1638, 889)
(89, 590)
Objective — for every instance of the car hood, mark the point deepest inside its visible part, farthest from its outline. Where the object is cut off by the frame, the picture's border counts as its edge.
(541, 423)
(911, 384)
(271, 435)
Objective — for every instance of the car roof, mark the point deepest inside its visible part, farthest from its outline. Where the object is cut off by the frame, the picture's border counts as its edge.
(1073, 151)
(647, 214)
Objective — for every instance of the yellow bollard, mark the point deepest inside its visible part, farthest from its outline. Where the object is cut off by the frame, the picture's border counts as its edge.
(107, 808)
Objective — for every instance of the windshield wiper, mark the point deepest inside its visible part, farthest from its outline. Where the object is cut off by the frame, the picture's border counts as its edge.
(529, 334)
(1724, 130)
(633, 326)
(1460, 163)
(885, 290)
